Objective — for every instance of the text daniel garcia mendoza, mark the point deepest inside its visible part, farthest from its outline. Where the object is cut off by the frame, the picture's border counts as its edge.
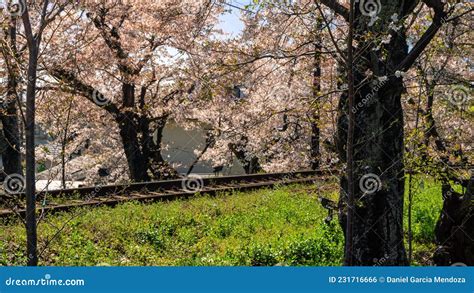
(425, 280)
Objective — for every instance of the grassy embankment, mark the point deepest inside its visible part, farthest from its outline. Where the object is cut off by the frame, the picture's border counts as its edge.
(266, 227)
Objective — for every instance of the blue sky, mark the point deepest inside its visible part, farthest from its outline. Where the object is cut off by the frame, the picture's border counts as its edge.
(230, 21)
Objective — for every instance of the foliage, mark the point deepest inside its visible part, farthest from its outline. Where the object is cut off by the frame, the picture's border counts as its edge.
(261, 228)
(267, 227)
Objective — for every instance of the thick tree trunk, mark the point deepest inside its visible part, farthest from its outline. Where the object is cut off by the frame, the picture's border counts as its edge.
(142, 153)
(134, 128)
(377, 168)
(129, 125)
(129, 130)
(11, 155)
(378, 160)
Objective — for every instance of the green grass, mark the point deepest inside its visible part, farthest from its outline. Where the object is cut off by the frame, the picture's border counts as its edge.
(427, 204)
(265, 227)
(260, 228)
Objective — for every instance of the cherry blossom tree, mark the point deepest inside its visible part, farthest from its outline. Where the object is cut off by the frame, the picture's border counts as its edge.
(129, 61)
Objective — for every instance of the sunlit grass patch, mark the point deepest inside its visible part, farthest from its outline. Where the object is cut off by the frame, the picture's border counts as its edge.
(260, 228)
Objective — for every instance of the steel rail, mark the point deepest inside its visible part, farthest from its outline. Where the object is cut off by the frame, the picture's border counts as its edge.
(111, 195)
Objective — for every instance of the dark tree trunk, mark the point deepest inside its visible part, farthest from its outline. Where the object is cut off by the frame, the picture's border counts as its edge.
(31, 232)
(378, 155)
(129, 125)
(143, 154)
(30, 161)
(455, 228)
(350, 189)
(315, 138)
(129, 130)
(129, 134)
(315, 154)
(11, 155)
(142, 146)
(431, 131)
(377, 168)
(378, 216)
(63, 146)
(33, 41)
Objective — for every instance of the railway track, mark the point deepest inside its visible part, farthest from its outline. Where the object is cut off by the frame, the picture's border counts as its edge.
(111, 195)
